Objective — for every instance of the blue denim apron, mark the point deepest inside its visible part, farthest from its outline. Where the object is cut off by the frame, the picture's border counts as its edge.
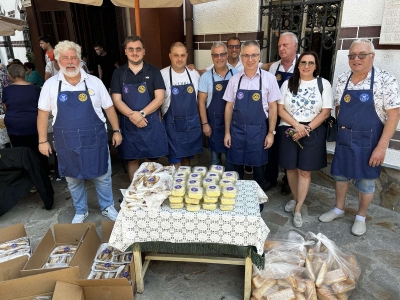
(215, 115)
(248, 129)
(146, 142)
(359, 132)
(281, 77)
(182, 121)
(80, 136)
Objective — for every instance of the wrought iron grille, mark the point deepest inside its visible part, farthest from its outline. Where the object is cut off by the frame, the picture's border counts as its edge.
(315, 23)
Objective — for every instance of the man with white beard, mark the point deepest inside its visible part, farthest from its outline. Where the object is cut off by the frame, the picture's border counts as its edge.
(76, 100)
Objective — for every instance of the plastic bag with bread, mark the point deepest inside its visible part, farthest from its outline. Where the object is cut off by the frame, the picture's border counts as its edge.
(334, 271)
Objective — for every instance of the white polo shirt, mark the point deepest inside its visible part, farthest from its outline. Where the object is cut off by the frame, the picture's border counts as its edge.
(97, 91)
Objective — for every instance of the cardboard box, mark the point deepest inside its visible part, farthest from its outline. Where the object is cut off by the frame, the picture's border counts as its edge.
(101, 289)
(11, 269)
(84, 235)
(106, 230)
(26, 288)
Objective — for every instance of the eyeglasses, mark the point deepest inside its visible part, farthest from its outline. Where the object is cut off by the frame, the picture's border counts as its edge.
(247, 56)
(305, 63)
(130, 49)
(216, 55)
(360, 55)
(234, 46)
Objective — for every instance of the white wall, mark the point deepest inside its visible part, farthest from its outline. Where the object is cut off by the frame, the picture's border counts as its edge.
(224, 16)
(362, 13)
(19, 52)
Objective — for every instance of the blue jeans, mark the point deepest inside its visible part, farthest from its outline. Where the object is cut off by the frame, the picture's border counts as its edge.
(103, 186)
(365, 186)
(216, 158)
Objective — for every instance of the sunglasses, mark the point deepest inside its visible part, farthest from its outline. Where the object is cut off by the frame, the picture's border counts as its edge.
(360, 56)
(305, 63)
(234, 46)
(216, 55)
(138, 49)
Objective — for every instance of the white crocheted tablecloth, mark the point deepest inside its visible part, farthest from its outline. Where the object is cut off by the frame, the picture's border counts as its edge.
(241, 227)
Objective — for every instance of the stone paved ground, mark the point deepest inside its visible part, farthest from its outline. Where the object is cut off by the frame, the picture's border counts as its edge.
(378, 251)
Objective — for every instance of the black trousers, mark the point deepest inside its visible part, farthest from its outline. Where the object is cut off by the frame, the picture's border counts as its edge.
(31, 141)
(272, 167)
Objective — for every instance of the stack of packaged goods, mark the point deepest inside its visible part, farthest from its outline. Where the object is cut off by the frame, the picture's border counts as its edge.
(15, 248)
(61, 256)
(111, 263)
(190, 186)
(311, 268)
(150, 186)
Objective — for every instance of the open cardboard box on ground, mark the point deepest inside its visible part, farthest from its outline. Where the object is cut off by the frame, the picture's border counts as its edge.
(26, 288)
(100, 289)
(11, 269)
(84, 235)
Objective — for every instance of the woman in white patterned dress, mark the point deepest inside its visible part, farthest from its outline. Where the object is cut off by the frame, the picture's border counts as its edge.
(306, 102)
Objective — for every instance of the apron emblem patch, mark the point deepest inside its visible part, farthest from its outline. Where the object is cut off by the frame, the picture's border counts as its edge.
(82, 97)
(126, 90)
(240, 95)
(218, 87)
(256, 96)
(175, 91)
(63, 97)
(91, 92)
(364, 97)
(189, 89)
(347, 98)
(141, 89)
(278, 77)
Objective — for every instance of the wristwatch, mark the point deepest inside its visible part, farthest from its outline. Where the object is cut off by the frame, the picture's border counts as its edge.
(272, 131)
(142, 113)
(117, 130)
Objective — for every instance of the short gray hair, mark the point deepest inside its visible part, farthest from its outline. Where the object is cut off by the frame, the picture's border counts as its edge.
(292, 35)
(16, 71)
(219, 44)
(366, 42)
(63, 46)
(250, 43)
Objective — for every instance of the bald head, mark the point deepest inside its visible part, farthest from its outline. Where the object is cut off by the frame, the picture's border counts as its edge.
(178, 56)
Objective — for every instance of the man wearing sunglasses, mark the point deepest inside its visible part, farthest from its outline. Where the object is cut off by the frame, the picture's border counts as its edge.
(250, 114)
(367, 106)
(283, 70)
(137, 90)
(211, 105)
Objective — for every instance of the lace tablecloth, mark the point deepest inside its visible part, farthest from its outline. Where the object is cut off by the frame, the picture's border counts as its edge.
(241, 227)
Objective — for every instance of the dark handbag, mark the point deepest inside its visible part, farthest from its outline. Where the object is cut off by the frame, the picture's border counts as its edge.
(331, 129)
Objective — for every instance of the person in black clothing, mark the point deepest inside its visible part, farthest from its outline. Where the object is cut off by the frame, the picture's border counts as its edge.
(106, 64)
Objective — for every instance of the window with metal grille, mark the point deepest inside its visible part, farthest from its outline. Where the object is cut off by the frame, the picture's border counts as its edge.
(315, 23)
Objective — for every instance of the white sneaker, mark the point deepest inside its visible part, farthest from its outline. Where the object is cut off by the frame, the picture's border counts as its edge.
(330, 216)
(297, 220)
(110, 213)
(79, 218)
(359, 228)
(289, 207)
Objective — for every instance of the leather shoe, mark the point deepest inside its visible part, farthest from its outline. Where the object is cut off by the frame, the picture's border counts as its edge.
(285, 189)
(268, 185)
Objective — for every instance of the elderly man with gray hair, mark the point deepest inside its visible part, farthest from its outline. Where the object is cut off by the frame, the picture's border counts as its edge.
(76, 100)
(367, 106)
(211, 105)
